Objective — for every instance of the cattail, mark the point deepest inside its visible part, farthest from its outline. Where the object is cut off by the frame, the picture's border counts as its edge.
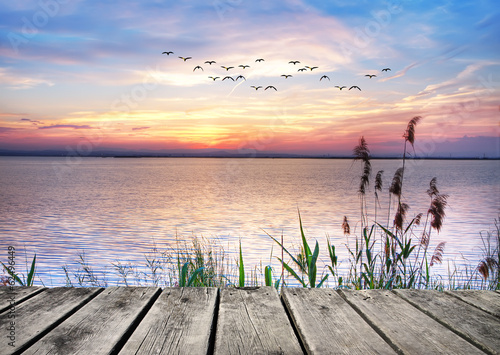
(400, 215)
(397, 182)
(486, 265)
(410, 129)
(437, 257)
(437, 212)
(433, 191)
(346, 227)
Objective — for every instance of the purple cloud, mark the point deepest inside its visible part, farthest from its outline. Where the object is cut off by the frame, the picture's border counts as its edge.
(35, 122)
(66, 126)
(139, 128)
(6, 129)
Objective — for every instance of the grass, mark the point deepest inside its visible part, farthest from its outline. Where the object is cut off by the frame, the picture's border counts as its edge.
(387, 254)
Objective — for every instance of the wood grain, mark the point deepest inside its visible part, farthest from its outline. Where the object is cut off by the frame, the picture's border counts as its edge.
(180, 322)
(101, 325)
(18, 293)
(40, 314)
(328, 325)
(408, 329)
(471, 323)
(488, 301)
(253, 321)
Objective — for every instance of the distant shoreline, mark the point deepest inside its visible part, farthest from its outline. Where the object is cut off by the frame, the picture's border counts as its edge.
(241, 156)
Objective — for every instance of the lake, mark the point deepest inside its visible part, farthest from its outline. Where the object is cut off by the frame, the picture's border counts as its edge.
(118, 209)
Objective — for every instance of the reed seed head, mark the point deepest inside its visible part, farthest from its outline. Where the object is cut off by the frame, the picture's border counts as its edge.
(433, 190)
(410, 129)
(437, 211)
(378, 180)
(424, 241)
(361, 152)
(486, 265)
(345, 226)
(400, 215)
(397, 183)
(437, 257)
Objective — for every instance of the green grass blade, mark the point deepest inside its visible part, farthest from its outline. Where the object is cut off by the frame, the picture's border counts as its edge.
(183, 275)
(331, 252)
(193, 276)
(312, 266)
(307, 250)
(31, 274)
(241, 279)
(322, 281)
(284, 249)
(294, 274)
(277, 283)
(268, 274)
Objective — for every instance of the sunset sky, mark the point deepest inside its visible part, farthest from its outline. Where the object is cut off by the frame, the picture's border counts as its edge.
(90, 75)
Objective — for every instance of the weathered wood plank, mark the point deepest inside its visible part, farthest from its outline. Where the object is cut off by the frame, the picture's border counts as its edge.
(488, 301)
(253, 321)
(328, 325)
(41, 313)
(475, 325)
(101, 325)
(180, 322)
(16, 293)
(404, 326)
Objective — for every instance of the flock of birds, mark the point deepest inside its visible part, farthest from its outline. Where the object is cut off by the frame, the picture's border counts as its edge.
(286, 76)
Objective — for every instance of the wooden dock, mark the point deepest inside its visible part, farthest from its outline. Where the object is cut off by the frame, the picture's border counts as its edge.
(149, 320)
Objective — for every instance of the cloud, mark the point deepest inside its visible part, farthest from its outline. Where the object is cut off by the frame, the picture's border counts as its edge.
(140, 128)
(35, 122)
(459, 80)
(18, 81)
(66, 126)
(6, 130)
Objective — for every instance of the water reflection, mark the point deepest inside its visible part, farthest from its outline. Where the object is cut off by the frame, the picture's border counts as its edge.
(117, 209)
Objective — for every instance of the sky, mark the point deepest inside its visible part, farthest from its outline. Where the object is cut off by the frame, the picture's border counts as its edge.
(84, 76)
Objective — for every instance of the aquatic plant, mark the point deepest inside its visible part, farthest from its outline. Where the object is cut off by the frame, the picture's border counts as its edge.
(19, 278)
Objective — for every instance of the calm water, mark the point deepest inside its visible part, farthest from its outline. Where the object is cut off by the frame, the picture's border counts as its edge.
(117, 209)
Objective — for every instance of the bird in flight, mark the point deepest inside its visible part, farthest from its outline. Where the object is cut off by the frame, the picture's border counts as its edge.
(302, 69)
(256, 87)
(214, 77)
(340, 87)
(293, 62)
(228, 77)
(210, 62)
(197, 67)
(271, 87)
(227, 68)
(324, 77)
(286, 75)
(311, 67)
(370, 75)
(185, 58)
(259, 60)
(240, 76)
(355, 87)
(386, 69)
(168, 53)
(244, 66)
